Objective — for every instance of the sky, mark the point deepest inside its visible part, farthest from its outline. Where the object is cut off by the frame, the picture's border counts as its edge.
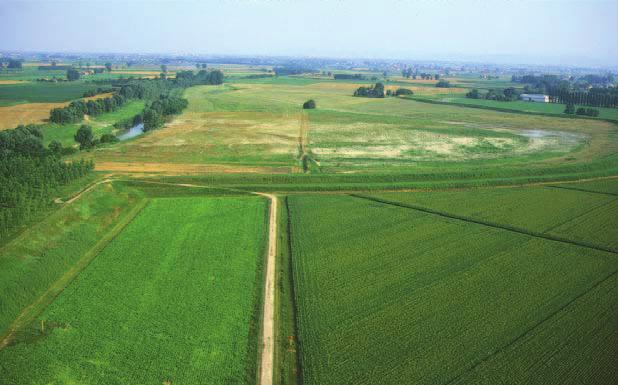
(575, 32)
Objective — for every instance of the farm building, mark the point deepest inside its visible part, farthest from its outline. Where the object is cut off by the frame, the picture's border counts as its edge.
(535, 98)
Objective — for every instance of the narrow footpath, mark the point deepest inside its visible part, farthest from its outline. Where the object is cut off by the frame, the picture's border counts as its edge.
(268, 313)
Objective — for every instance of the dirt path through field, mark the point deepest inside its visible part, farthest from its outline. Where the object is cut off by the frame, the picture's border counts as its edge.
(268, 314)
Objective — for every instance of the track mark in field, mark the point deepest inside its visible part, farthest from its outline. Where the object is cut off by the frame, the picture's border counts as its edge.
(489, 224)
(530, 330)
(34, 309)
(584, 190)
(268, 313)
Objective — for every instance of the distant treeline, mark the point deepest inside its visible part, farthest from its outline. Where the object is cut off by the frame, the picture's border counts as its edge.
(30, 174)
(587, 90)
(594, 97)
(348, 76)
(283, 71)
(54, 67)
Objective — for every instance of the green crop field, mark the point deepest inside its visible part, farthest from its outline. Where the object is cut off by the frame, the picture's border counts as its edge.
(181, 307)
(34, 92)
(388, 294)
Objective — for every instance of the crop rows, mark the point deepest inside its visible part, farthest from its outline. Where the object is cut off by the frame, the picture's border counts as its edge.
(171, 298)
(390, 295)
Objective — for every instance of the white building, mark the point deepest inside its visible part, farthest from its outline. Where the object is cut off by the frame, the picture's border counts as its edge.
(535, 98)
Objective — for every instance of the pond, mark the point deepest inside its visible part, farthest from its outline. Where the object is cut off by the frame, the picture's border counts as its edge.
(132, 132)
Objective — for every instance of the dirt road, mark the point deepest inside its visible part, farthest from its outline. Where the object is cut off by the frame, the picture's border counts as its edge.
(268, 314)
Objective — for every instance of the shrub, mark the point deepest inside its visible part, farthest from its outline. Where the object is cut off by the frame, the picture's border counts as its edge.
(309, 104)
(403, 91)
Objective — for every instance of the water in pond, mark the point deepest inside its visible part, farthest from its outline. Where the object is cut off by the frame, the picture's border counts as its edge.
(132, 132)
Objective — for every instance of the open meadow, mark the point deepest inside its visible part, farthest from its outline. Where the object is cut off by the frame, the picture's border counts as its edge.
(260, 127)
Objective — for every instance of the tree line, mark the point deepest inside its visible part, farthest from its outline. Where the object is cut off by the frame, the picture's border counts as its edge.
(377, 91)
(76, 110)
(587, 90)
(30, 175)
(410, 73)
(504, 95)
(590, 98)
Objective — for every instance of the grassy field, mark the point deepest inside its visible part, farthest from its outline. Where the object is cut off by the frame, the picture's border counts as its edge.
(393, 295)
(260, 128)
(121, 320)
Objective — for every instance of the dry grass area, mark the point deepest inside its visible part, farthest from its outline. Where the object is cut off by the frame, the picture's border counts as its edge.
(28, 113)
(8, 81)
(182, 168)
(33, 113)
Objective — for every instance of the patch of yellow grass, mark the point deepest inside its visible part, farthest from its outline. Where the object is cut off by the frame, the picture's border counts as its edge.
(12, 116)
(178, 168)
(7, 81)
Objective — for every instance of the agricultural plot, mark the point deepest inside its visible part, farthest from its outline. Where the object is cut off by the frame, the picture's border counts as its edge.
(34, 92)
(38, 257)
(242, 125)
(391, 295)
(121, 321)
(576, 215)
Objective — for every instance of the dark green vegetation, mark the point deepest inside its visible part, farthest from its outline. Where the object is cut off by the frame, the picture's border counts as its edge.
(309, 104)
(42, 92)
(389, 294)
(30, 175)
(36, 262)
(182, 307)
(375, 91)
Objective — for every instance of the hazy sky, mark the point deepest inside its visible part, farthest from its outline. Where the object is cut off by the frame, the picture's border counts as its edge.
(562, 32)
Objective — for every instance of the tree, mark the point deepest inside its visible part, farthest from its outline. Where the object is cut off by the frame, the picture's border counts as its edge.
(55, 147)
(403, 91)
(510, 93)
(84, 137)
(163, 68)
(378, 89)
(309, 104)
(108, 67)
(570, 109)
(109, 138)
(473, 94)
(443, 84)
(72, 74)
(437, 77)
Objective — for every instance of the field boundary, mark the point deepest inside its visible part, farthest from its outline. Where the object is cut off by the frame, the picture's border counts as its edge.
(584, 190)
(294, 307)
(489, 224)
(33, 310)
(533, 327)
